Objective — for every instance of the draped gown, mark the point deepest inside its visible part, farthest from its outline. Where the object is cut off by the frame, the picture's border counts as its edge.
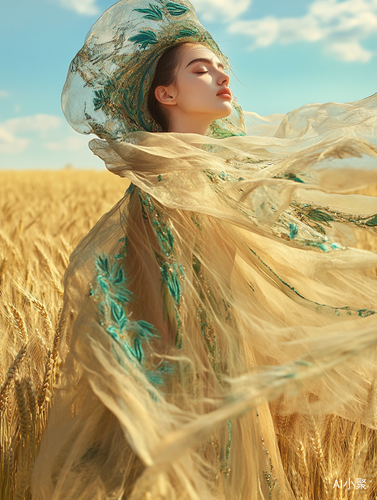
(220, 304)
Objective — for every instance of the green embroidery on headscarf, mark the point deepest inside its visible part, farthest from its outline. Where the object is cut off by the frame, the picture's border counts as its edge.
(153, 12)
(156, 14)
(144, 38)
(176, 9)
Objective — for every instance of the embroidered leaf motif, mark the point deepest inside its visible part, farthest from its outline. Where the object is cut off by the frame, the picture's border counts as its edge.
(319, 216)
(103, 98)
(184, 33)
(176, 9)
(138, 350)
(112, 275)
(171, 271)
(364, 313)
(130, 335)
(112, 331)
(293, 177)
(153, 13)
(100, 100)
(145, 330)
(144, 38)
(372, 221)
(293, 230)
(103, 284)
(118, 314)
(122, 294)
(171, 279)
(119, 277)
(103, 264)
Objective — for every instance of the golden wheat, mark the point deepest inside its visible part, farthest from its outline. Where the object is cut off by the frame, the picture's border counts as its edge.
(44, 215)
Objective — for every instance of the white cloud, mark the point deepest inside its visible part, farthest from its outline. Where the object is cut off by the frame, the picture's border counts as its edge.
(4, 94)
(11, 140)
(74, 143)
(85, 7)
(35, 123)
(340, 25)
(45, 132)
(9, 143)
(217, 10)
(350, 52)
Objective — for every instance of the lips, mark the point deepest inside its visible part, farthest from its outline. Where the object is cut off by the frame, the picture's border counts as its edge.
(225, 92)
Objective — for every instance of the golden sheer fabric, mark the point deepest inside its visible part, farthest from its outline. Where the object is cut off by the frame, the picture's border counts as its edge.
(219, 298)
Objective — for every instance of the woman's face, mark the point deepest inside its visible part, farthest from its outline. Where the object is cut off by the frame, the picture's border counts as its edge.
(200, 92)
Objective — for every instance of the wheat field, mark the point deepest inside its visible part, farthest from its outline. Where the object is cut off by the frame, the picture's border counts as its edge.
(43, 217)
(44, 214)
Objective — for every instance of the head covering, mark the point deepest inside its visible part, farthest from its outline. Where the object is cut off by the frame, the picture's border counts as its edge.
(108, 81)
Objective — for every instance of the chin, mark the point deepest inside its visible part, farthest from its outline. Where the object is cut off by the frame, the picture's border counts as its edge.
(225, 112)
(221, 112)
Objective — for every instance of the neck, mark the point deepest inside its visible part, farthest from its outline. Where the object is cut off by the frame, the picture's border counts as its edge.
(187, 124)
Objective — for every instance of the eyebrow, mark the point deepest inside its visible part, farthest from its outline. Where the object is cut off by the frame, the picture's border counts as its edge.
(205, 60)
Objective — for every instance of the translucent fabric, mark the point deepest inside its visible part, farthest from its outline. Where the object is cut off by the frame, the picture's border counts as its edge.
(108, 81)
(219, 296)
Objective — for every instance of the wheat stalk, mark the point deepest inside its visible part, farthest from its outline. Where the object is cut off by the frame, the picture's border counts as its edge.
(11, 463)
(328, 439)
(18, 229)
(3, 265)
(66, 245)
(7, 241)
(23, 474)
(373, 403)
(352, 447)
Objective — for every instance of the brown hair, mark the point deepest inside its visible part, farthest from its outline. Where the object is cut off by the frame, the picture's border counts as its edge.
(165, 76)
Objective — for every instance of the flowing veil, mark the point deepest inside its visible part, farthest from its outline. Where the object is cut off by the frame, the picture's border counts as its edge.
(218, 335)
(219, 298)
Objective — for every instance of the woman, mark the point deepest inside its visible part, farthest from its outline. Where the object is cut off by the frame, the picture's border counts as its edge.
(216, 325)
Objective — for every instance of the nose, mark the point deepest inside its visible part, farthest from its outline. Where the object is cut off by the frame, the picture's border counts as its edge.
(223, 78)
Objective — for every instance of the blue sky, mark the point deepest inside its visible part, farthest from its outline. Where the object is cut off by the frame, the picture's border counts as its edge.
(284, 54)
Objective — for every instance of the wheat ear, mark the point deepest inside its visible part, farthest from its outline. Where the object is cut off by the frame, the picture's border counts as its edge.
(31, 397)
(43, 393)
(48, 268)
(19, 323)
(295, 484)
(303, 466)
(66, 245)
(317, 446)
(22, 406)
(4, 395)
(40, 307)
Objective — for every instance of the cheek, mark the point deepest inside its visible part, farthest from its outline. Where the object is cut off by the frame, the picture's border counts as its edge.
(195, 93)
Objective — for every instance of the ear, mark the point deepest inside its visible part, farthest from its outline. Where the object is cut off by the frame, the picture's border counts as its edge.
(165, 95)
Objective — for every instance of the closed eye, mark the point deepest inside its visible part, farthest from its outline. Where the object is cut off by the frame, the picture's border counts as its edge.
(201, 72)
